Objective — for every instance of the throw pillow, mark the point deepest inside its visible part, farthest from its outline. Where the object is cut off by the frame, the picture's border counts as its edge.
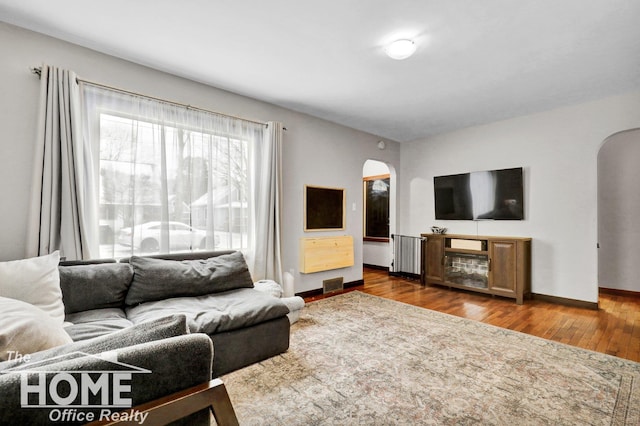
(270, 287)
(158, 279)
(25, 329)
(35, 281)
(94, 286)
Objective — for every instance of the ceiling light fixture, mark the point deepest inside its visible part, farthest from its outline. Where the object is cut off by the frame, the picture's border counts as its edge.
(401, 49)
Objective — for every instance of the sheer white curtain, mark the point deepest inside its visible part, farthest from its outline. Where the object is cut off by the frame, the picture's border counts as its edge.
(174, 179)
(266, 186)
(61, 216)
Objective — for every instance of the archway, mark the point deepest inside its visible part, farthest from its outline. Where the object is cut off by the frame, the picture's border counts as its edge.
(618, 207)
(376, 250)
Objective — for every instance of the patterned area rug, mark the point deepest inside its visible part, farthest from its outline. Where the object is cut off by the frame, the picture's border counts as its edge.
(357, 359)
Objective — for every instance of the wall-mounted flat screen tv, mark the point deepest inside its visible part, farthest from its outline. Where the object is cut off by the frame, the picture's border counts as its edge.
(492, 194)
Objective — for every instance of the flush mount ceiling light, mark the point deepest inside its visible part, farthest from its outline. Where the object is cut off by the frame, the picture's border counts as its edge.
(401, 49)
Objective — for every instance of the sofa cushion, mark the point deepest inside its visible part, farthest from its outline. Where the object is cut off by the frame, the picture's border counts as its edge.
(25, 328)
(87, 287)
(158, 279)
(214, 313)
(36, 281)
(161, 328)
(96, 322)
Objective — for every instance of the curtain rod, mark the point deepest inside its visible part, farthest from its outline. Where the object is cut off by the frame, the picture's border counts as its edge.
(38, 72)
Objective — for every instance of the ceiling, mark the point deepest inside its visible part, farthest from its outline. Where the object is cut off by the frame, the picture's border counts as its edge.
(476, 62)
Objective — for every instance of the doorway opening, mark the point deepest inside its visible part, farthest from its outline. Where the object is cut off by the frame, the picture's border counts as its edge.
(379, 200)
(618, 204)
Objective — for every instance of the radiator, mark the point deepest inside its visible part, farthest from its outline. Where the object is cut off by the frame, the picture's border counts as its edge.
(407, 256)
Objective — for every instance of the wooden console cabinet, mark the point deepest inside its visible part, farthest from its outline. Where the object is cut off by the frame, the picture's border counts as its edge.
(499, 266)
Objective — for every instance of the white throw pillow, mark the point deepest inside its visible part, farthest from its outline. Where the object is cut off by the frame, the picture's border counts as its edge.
(35, 281)
(25, 329)
(268, 286)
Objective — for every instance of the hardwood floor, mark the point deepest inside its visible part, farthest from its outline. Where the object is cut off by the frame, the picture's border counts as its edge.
(613, 329)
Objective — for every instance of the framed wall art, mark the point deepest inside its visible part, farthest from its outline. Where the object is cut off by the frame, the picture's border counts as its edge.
(324, 208)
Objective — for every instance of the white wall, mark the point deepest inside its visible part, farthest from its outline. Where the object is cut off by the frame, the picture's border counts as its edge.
(618, 207)
(315, 151)
(558, 150)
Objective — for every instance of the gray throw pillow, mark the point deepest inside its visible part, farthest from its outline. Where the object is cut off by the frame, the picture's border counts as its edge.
(158, 279)
(97, 286)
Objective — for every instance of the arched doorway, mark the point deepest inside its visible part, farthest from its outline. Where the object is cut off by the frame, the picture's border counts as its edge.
(618, 208)
(378, 181)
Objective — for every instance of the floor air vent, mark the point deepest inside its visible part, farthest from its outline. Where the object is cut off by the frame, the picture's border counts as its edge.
(333, 284)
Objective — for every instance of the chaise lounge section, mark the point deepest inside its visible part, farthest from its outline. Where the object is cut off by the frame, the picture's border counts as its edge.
(213, 290)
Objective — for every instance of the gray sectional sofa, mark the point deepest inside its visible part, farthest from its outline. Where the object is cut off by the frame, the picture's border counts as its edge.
(179, 320)
(213, 290)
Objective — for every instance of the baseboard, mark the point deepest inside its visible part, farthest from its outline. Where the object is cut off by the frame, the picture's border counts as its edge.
(381, 268)
(355, 283)
(393, 274)
(618, 292)
(582, 303)
(318, 291)
(406, 275)
(564, 301)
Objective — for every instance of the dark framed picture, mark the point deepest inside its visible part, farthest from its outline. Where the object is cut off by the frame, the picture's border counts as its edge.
(324, 208)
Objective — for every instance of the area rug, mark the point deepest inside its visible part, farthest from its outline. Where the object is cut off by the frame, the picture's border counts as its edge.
(357, 359)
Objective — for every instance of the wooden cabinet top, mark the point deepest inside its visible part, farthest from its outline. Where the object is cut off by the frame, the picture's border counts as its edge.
(476, 237)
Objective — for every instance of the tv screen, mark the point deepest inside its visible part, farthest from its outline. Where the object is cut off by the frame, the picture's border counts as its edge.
(453, 197)
(493, 194)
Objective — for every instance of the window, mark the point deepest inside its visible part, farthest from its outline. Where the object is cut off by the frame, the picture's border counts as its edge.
(170, 179)
(376, 208)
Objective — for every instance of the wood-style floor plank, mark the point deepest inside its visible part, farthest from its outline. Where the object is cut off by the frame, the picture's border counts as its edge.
(613, 329)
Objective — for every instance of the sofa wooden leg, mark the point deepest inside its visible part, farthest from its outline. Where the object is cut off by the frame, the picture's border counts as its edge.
(212, 395)
(221, 406)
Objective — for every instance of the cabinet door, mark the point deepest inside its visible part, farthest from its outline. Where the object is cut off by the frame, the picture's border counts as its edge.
(434, 253)
(503, 267)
